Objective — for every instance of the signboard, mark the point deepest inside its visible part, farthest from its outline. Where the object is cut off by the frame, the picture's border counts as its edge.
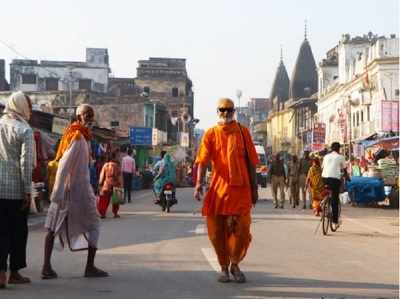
(159, 137)
(141, 135)
(318, 137)
(184, 139)
(390, 116)
(342, 122)
(59, 125)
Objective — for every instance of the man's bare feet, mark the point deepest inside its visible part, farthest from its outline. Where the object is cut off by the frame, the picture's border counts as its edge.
(238, 275)
(224, 276)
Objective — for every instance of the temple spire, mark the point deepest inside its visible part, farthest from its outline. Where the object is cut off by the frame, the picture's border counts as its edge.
(305, 29)
(281, 53)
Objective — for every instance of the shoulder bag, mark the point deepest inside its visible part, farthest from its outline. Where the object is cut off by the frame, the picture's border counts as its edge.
(251, 171)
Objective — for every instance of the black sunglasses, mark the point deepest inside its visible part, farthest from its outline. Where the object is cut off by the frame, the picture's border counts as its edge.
(230, 110)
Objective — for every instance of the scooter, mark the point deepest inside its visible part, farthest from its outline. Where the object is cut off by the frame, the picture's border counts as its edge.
(167, 197)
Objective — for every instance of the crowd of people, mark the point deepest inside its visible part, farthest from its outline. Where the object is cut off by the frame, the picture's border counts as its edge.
(82, 188)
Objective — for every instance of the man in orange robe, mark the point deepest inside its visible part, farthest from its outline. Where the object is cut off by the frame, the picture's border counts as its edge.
(228, 202)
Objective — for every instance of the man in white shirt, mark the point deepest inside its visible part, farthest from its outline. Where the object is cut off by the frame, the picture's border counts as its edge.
(332, 167)
(128, 169)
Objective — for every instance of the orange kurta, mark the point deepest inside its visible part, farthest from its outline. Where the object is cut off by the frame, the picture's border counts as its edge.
(229, 192)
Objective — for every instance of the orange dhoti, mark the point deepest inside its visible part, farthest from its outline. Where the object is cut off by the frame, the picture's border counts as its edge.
(230, 237)
(227, 204)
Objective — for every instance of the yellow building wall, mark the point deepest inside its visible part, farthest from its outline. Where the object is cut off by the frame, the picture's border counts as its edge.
(280, 131)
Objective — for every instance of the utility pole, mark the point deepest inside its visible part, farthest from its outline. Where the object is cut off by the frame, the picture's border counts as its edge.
(70, 81)
(238, 95)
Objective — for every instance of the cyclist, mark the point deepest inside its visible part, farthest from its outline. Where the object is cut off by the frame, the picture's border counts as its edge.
(332, 167)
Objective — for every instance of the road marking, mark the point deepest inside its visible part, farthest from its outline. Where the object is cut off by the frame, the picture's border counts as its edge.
(373, 229)
(36, 221)
(143, 195)
(211, 258)
(200, 229)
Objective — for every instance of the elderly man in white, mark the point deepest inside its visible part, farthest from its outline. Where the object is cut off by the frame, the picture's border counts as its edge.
(72, 214)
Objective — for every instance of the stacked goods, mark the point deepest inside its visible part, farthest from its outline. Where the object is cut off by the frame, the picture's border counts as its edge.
(389, 171)
(374, 171)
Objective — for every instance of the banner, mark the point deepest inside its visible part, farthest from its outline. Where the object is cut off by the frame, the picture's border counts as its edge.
(390, 116)
(184, 139)
(318, 137)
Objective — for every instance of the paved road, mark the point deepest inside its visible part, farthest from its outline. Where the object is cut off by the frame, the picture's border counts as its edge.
(155, 255)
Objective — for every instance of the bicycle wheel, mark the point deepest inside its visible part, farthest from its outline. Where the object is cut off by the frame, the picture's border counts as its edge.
(332, 225)
(325, 217)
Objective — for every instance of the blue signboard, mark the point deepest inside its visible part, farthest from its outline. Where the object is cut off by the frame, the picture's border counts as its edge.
(141, 135)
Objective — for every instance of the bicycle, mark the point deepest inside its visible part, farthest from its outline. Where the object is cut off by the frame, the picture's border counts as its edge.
(327, 215)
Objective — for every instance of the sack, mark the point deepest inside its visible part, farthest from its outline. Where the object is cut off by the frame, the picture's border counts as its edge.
(251, 169)
(117, 197)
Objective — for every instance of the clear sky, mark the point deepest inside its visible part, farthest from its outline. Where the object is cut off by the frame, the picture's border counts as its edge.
(228, 44)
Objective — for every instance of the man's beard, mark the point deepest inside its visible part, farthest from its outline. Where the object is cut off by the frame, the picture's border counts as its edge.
(225, 120)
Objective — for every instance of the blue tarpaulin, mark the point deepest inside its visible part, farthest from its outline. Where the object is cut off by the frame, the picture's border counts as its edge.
(366, 189)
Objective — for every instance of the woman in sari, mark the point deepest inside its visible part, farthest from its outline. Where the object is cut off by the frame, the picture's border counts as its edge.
(316, 185)
(166, 174)
(110, 177)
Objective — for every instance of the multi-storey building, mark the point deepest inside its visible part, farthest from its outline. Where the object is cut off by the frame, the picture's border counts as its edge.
(258, 111)
(3, 82)
(50, 75)
(359, 88)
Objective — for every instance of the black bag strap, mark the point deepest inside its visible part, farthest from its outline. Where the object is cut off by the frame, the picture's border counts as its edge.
(248, 161)
(244, 142)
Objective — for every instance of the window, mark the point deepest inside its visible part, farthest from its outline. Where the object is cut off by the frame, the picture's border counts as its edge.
(85, 84)
(368, 113)
(354, 119)
(396, 92)
(358, 118)
(28, 79)
(362, 116)
(175, 92)
(114, 124)
(51, 83)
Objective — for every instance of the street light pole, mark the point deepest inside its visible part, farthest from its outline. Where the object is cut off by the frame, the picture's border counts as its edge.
(70, 81)
(239, 95)
(154, 114)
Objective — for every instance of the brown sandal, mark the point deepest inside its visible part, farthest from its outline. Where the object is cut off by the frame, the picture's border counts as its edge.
(49, 274)
(18, 280)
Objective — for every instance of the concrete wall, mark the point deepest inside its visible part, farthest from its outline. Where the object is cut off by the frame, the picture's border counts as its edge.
(99, 77)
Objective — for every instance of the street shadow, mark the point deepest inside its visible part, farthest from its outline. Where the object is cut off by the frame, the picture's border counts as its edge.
(155, 279)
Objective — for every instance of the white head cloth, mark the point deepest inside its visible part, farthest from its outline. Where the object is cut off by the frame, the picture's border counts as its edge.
(17, 105)
(83, 108)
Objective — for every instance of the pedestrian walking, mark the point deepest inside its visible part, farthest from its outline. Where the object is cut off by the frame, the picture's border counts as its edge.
(72, 213)
(128, 168)
(305, 164)
(16, 165)
(293, 173)
(278, 179)
(110, 178)
(315, 184)
(227, 204)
